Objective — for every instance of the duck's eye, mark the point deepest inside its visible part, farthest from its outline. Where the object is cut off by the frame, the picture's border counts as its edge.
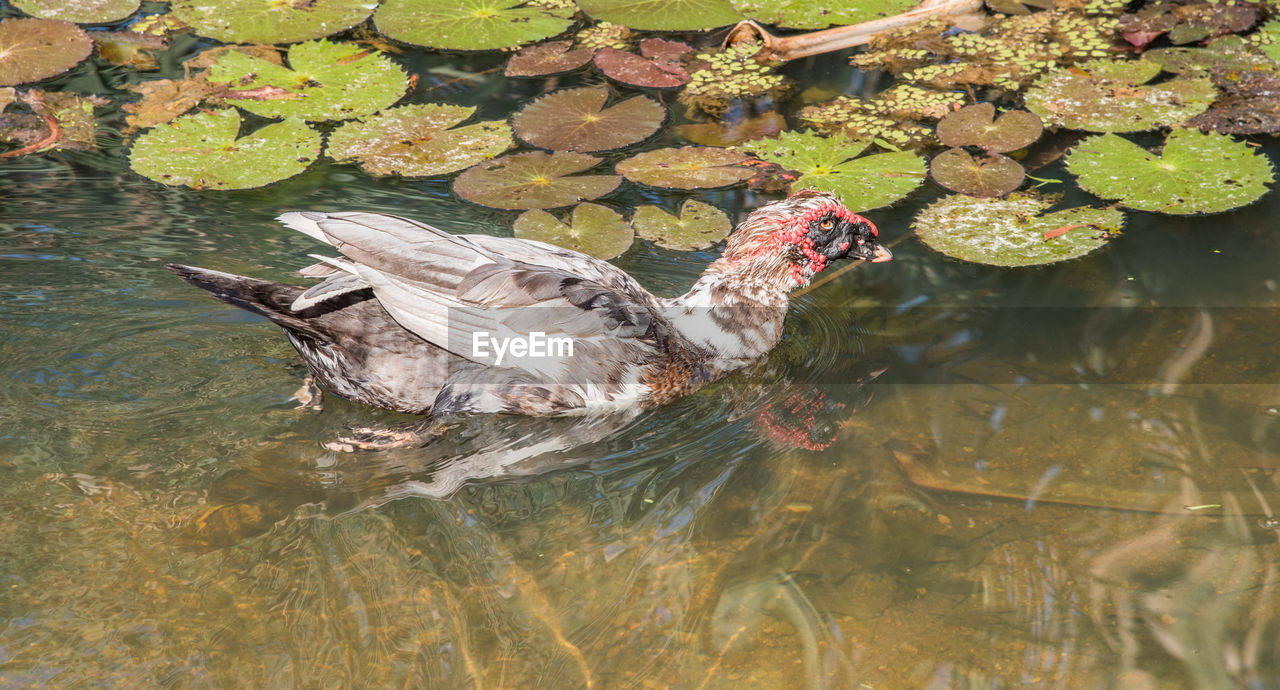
(826, 224)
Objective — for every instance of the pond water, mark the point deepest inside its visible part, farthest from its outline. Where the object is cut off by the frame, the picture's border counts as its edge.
(947, 475)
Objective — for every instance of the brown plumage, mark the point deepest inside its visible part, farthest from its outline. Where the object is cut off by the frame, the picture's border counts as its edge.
(414, 319)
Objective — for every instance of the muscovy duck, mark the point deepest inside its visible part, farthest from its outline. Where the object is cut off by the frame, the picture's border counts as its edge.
(414, 319)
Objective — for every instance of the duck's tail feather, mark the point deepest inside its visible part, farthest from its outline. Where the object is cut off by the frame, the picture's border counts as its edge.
(264, 298)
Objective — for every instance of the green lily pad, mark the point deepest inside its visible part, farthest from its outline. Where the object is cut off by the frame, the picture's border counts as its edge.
(832, 164)
(1013, 231)
(534, 180)
(468, 24)
(35, 49)
(416, 140)
(1196, 173)
(80, 11)
(818, 14)
(328, 81)
(552, 57)
(594, 230)
(577, 120)
(698, 226)
(203, 151)
(976, 125)
(989, 176)
(691, 167)
(663, 15)
(256, 21)
(658, 66)
(1111, 96)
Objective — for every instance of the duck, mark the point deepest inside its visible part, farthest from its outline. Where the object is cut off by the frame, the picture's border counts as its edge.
(414, 319)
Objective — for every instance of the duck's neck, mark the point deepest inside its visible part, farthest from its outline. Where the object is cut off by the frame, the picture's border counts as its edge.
(733, 312)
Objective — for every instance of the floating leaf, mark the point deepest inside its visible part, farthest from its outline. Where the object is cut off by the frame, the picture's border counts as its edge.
(468, 24)
(659, 64)
(552, 57)
(534, 180)
(1197, 173)
(721, 134)
(824, 163)
(818, 14)
(165, 99)
(80, 11)
(691, 167)
(328, 81)
(604, 35)
(415, 140)
(663, 15)
(1013, 231)
(1230, 53)
(8, 94)
(203, 151)
(698, 226)
(594, 230)
(1251, 104)
(976, 125)
(576, 120)
(35, 49)
(256, 21)
(1105, 96)
(989, 176)
(730, 75)
(129, 49)
(60, 120)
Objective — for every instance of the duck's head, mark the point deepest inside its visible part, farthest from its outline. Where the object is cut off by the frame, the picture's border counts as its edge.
(788, 242)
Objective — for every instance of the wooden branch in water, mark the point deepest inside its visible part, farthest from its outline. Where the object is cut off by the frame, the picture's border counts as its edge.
(785, 49)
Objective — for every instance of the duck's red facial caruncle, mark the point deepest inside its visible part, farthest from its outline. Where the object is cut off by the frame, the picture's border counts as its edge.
(828, 232)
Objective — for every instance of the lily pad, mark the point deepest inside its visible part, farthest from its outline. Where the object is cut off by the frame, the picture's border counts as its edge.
(577, 120)
(832, 164)
(256, 21)
(698, 226)
(976, 125)
(659, 64)
(534, 180)
(8, 94)
(59, 120)
(80, 11)
(328, 81)
(1014, 231)
(663, 15)
(691, 167)
(552, 57)
(129, 48)
(818, 14)
(416, 140)
(594, 230)
(35, 49)
(203, 151)
(1230, 53)
(468, 24)
(722, 134)
(988, 176)
(1109, 96)
(1251, 104)
(1196, 173)
(164, 99)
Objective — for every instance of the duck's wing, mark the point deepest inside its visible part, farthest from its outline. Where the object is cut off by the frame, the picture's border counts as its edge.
(447, 288)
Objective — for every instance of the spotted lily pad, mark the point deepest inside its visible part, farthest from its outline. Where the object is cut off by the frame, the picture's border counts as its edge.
(577, 120)
(659, 64)
(594, 230)
(987, 176)
(81, 11)
(1109, 96)
(1196, 173)
(818, 14)
(416, 140)
(1229, 53)
(534, 180)
(552, 57)
(324, 81)
(698, 226)
(832, 164)
(256, 21)
(468, 24)
(203, 151)
(976, 125)
(663, 15)
(35, 49)
(691, 167)
(1014, 231)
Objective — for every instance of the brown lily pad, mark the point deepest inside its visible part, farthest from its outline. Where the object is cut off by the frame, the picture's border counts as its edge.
(1251, 104)
(416, 140)
(129, 49)
(552, 57)
(691, 167)
(698, 226)
(988, 176)
(534, 180)
(593, 229)
(36, 49)
(659, 65)
(166, 99)
(8, 94)
(577, 120)
(977, 125)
